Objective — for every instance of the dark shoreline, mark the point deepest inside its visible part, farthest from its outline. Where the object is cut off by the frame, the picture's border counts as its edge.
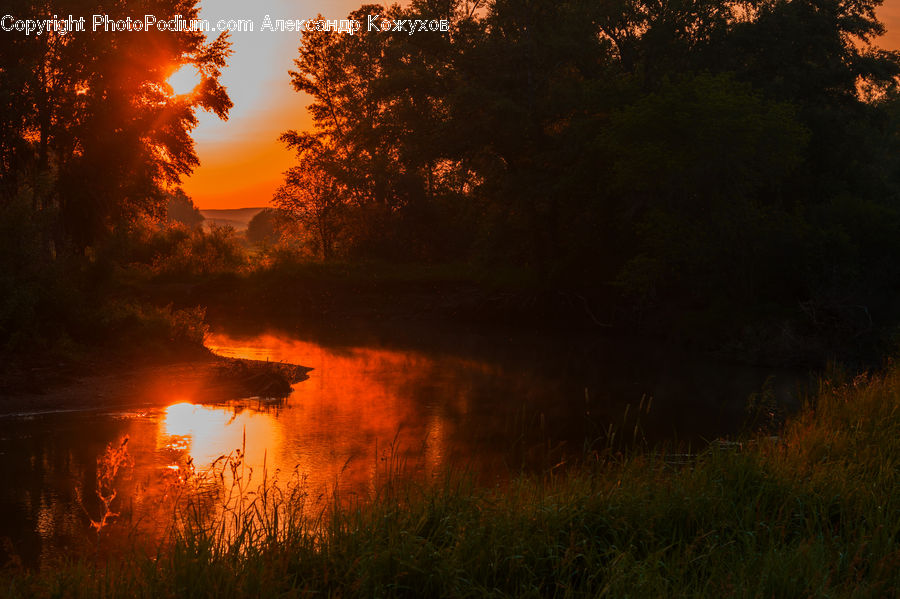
(102, 383)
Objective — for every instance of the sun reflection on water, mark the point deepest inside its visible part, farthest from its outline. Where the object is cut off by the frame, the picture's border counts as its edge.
(202, 434)
(364, 413)
(359, 404)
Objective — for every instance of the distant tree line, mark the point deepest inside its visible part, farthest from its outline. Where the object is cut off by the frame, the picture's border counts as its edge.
(181, 209)
(687, 155)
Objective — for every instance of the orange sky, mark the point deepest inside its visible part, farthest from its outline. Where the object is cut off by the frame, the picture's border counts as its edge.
(890, 16)
(242, 160)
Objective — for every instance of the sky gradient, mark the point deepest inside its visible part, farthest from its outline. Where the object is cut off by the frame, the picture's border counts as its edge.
(241, 160)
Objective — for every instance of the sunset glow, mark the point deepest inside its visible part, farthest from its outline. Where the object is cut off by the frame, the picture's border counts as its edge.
(372, 395)
(205, 433)
(241, 160)
(184, 80)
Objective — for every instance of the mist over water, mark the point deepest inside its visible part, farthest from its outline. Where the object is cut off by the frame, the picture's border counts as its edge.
(488, 405)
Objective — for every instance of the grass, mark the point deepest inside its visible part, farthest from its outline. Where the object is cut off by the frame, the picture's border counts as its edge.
(811, 512)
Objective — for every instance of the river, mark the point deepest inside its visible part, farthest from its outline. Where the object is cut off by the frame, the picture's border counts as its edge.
(491, 404)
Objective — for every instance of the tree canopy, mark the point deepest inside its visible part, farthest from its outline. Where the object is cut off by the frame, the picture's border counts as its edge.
(672, 151)
(90, 127)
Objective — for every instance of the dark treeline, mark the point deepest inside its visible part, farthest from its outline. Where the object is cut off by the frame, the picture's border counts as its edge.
(694, 162)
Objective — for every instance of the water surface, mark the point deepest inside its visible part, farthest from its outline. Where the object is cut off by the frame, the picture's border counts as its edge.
(492, 405)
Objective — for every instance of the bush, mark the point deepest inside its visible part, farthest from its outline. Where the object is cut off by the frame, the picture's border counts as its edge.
(151, 329)
(175, 251)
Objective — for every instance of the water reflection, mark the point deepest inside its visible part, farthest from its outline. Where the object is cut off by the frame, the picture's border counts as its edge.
(362, 406)
(363, 410)
(199, 434)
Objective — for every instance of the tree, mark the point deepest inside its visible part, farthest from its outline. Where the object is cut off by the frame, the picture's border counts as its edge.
(339, 72)
(95, 129)
(668, 149)
(181, 209)
(379, 114)
(315, 199)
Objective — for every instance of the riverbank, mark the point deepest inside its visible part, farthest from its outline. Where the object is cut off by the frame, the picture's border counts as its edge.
(811, 511)
(103, 382)
(303, 294)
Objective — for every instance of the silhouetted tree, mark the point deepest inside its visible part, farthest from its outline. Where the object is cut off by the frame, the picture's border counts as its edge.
(93, 128)
(380, 113)
(668, 153)
(315, 199)
(181, 209)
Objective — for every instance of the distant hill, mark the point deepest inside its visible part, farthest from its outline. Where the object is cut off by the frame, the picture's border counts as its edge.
(238, 218)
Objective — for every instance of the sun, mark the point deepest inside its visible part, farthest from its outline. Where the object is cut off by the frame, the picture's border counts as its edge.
(184, 80)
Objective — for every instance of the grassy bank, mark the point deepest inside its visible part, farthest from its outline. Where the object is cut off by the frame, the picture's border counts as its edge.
(812, 512)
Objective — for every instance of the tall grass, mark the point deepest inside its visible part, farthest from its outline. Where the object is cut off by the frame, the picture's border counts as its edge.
(813, 511)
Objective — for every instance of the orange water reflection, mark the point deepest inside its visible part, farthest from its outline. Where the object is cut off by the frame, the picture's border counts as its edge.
(361, 411)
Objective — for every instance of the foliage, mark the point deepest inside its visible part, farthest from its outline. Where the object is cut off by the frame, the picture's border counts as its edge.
(138, 324)
(181, 209)
(266, 227)
(181, 252)
(91, 138)
(92, 113)
(57, 306)
(672, 152)
(168, 250)
(39, 296)
(312, 197)
(376, 111)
